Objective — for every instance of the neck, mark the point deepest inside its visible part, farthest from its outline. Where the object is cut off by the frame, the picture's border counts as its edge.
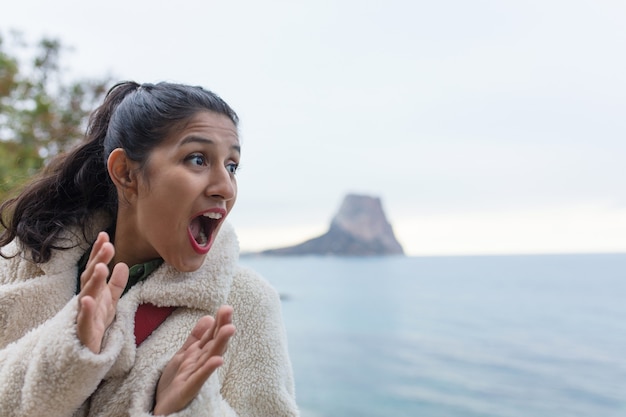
(125, 240)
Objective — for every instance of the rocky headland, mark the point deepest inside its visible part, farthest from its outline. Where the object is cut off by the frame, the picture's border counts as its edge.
(360, 228)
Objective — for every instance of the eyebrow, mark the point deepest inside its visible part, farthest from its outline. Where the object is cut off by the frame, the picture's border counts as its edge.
(206, 141)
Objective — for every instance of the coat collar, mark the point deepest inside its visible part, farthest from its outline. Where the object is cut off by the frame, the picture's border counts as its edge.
(205, 288)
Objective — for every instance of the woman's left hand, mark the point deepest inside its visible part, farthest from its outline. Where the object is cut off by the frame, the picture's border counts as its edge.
(194, 363)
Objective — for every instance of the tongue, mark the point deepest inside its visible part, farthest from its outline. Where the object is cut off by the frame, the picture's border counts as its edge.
(195, 228)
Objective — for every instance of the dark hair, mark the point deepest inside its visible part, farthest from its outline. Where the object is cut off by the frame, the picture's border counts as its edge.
(73, 186)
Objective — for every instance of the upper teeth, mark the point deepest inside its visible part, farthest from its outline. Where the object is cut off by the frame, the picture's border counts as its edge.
(213, 215)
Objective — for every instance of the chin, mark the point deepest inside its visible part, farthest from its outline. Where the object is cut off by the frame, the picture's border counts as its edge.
(187, 266)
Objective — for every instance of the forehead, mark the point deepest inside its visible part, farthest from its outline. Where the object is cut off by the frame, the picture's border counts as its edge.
(206, 124)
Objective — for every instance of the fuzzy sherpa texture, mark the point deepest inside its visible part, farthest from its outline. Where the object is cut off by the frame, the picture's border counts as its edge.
(44, 369)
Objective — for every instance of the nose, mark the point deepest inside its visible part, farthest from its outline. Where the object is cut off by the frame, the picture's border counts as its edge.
(222, 184)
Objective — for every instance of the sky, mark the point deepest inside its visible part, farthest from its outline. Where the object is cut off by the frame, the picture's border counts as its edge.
(485, 127)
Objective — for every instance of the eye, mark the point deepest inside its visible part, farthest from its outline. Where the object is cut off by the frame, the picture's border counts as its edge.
(232, 167)
(196, 159)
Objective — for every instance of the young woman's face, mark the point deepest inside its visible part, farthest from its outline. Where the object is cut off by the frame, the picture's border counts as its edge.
(186, 191)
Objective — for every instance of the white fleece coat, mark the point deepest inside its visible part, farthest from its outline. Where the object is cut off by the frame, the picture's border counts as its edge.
(45, 370)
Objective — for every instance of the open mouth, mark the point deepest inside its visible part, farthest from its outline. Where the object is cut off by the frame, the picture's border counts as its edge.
(202, 228)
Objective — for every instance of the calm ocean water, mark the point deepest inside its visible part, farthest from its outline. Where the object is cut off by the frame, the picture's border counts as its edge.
(505, 336)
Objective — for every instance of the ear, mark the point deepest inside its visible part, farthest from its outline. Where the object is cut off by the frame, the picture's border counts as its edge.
(122, 171)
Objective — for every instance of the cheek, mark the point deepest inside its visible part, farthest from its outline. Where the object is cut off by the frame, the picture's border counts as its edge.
(231, 202)
(168, 192)
(161, 208)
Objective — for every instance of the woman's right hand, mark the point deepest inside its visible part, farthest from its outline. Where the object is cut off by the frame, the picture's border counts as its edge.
(97, 300)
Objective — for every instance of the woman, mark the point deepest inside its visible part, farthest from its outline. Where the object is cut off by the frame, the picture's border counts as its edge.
(120, 293)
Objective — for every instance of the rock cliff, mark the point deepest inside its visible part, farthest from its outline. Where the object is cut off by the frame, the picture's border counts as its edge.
(360, 228)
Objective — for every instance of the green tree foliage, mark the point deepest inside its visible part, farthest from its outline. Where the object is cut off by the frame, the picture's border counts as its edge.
(41, 114)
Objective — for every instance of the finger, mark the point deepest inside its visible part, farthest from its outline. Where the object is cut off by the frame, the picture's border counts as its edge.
(84, 323)
(200, 375)
(86, 308)
(203, 325)
(207, 336)
(220, 342)
(118, 281)
(96, 283)
(100, 240)
(103, 254)
(223, 316)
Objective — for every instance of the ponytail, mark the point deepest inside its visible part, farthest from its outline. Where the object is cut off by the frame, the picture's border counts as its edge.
(68, 190)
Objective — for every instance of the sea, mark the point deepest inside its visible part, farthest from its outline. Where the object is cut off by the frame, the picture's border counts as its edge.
(464, 336)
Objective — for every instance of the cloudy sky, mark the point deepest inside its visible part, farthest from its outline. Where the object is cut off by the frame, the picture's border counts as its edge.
(485, 126)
